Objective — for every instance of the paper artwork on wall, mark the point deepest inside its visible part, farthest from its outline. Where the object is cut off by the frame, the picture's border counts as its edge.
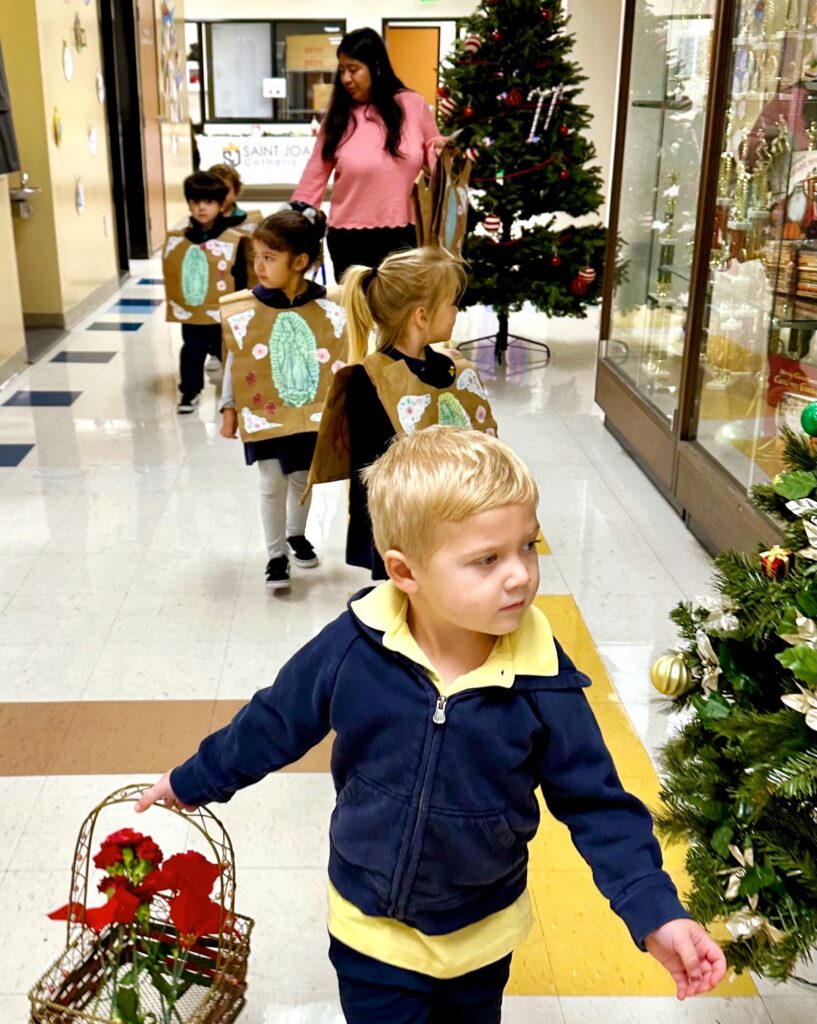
(80, 38)
(67, 62)
(57, 127)
(100, 85)
(92, 141)
(80, 200)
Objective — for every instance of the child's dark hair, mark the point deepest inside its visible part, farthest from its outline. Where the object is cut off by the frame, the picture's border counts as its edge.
(297, 228)
(203, 185)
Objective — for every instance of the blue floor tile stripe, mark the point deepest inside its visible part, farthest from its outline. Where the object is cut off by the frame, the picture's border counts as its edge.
(150, 280)
(83, 357)
(43, 398)
(115, 327)
(13, 454)
(139, 302)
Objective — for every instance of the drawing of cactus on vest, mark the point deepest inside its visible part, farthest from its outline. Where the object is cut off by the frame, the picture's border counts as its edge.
(294, 360)
(195, 276)
(410, 409)
(450, 412)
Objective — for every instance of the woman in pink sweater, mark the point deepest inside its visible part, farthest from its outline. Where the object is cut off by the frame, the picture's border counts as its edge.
(376, 137)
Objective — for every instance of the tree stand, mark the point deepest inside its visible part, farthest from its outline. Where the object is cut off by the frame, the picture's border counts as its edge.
(503, 341)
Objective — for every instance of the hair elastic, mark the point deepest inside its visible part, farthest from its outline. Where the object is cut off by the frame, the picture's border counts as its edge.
(367, 283)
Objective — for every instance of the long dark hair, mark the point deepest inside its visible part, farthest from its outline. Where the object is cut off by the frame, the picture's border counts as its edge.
(366, 46)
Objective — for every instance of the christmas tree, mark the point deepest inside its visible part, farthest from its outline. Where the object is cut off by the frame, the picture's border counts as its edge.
(509, 90)
(740, 782)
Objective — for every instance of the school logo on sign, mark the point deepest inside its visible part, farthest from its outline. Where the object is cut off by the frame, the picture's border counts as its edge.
(232, 154)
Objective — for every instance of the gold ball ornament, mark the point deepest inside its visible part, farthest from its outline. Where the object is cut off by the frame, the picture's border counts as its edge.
(670, 676)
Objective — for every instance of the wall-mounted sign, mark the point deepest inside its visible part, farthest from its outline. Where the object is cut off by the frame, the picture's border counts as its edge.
(80, 200)
(100, 85)
(312, 53)
(57, 127)
(265, 160)
(273, 88)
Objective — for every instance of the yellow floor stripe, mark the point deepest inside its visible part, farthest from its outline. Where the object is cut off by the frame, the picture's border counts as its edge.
(578, 947)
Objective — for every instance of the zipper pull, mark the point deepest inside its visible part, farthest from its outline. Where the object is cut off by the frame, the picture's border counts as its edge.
(439, 711)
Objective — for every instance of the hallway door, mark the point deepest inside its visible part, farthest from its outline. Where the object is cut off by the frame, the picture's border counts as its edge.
(151, 129)
(415, 55)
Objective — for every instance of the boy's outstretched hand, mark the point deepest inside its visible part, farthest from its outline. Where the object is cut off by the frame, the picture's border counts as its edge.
(163, 791)
(695, 961)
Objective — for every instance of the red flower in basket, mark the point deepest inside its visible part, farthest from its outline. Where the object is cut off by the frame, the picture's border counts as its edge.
(190, 871)
(124, 837)
(194, 915)
(120, 909)
(108, 855)
(148, 850)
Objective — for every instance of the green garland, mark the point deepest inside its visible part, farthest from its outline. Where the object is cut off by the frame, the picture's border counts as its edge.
(740, 778)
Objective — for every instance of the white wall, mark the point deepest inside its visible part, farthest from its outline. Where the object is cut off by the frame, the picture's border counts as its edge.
(595, 23)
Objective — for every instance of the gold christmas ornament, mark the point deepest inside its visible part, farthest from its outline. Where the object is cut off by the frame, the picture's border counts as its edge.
(670, 676)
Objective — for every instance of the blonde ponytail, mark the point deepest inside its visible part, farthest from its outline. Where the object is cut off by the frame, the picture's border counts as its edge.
(358, 312)
(385, 298)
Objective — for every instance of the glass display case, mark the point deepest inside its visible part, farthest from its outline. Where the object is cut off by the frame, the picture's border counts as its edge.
(710, 305)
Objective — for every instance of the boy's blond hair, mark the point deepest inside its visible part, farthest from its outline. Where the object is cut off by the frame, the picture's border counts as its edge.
(440, 475)
(384, 299)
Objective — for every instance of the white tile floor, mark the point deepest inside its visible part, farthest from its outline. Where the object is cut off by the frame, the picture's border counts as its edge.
(131, 564)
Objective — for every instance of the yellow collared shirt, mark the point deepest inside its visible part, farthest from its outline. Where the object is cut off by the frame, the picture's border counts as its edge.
(529, 650)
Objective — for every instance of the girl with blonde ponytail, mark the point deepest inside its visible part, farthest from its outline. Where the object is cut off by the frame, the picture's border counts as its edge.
(403, 384)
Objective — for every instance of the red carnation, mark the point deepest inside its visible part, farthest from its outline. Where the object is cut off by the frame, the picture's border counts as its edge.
(148, 850)
(108, 855)
(190, 870)
(257, 398)
(124, 837)
(250, 379)
(194, 915)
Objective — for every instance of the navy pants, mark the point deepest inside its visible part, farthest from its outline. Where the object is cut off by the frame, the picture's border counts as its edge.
(198, 341)
(372, 992)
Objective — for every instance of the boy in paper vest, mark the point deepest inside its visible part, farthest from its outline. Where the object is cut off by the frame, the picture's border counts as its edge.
(451, 704)
(202, 263)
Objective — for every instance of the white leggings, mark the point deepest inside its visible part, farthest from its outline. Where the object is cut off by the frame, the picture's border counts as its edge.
(282, 513)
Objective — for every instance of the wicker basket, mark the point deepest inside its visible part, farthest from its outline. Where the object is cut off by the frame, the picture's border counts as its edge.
(78, 986)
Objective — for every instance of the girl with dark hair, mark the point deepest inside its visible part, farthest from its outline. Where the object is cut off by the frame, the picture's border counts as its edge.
(285, 342)
(376, 137)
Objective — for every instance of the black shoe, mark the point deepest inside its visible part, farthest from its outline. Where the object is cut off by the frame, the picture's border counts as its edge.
(303, 554)
(188, 403)
(278, 573)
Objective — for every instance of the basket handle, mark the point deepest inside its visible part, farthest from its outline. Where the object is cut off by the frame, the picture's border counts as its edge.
(202, 819)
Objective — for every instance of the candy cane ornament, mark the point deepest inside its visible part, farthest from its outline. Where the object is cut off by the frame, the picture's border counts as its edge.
(557, 95)
(533, 94)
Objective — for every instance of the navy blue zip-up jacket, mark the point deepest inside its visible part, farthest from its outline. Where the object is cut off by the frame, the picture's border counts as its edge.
(433, 818)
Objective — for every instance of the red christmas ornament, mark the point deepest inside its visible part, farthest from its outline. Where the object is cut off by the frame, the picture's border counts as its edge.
(578, 287)
(491, 222)
(564, 130)
(564, 174)
(472, 153)
(496, 35)
(472, 44)
(555, 261)
(448, 105)
(442, 92)
(468, 111)
(514, 98)
(587, 274)
(547, 14)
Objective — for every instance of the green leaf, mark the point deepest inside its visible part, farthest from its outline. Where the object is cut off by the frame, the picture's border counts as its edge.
(807, 603)
(795, 484)
(721, 838)
(161, 984)
(714, 708)
(127, 1005)
(802, 660)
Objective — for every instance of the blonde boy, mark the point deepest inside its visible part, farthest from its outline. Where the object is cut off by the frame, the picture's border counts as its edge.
(451, 702)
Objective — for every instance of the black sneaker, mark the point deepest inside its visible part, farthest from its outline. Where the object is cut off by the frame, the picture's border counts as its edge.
(188, 403)
(278, 573)
(303, 554)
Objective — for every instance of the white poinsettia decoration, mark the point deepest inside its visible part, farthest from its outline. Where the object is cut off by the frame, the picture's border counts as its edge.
(720, 612)
(805, 702)
(806, 632)
(710, 666)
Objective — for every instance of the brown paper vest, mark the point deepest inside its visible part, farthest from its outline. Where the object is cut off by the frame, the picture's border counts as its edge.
(284, 362)
(198, 275)
(410, 404)
(441, 202)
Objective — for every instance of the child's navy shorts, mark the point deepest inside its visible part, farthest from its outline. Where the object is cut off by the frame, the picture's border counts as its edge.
(372, 992)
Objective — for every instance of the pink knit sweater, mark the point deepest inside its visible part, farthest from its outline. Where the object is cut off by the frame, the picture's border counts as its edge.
(372, 189)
